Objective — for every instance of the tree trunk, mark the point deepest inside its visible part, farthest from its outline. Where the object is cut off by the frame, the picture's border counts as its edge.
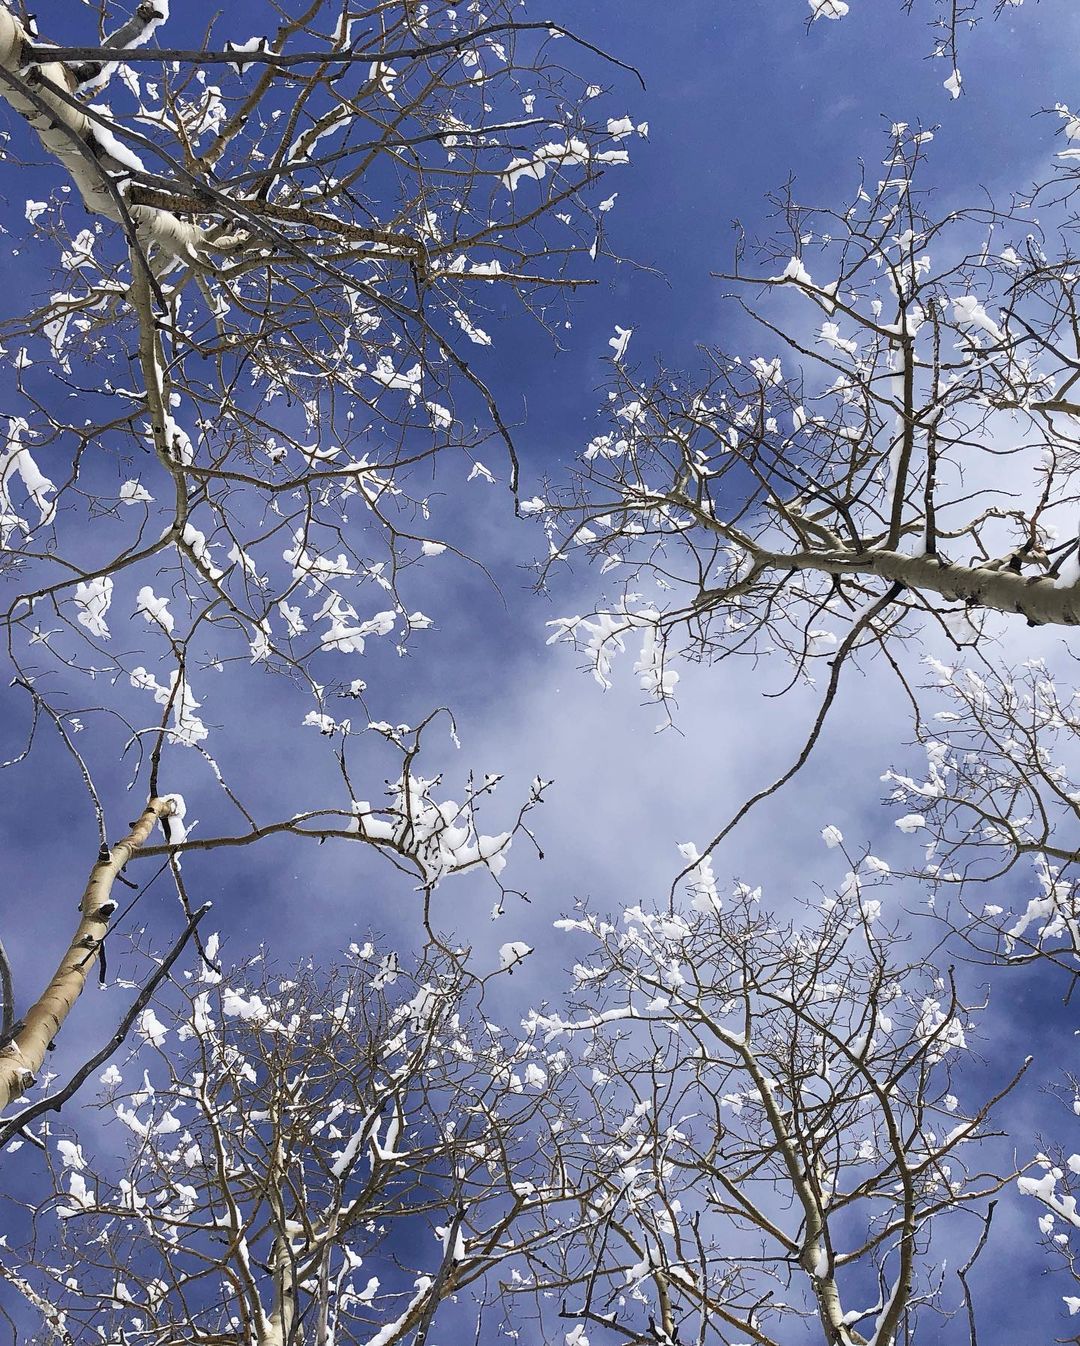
(21, 1058)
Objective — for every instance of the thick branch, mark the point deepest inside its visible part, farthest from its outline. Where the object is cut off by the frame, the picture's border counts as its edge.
(45, 98)
(1036, 597)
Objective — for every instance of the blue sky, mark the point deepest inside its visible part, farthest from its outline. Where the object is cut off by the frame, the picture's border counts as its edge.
(739, 96)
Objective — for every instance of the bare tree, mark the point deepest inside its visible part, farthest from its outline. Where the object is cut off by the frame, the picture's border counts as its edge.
(781, 1131)
(292, 358)
(257, 275)
(731, 1128)
(310, 1158)
(901, 459)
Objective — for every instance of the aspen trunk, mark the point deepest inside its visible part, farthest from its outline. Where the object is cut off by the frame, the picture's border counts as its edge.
(68, 135)
(21, 1058)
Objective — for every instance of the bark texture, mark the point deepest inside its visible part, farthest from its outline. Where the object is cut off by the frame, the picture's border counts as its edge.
(21, 1058)
(1039, 598)
(40, 93)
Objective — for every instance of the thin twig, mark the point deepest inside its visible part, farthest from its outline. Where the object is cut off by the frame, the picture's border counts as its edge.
(845, 649)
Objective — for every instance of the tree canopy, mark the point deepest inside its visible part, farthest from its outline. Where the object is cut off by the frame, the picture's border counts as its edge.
(365, 367)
